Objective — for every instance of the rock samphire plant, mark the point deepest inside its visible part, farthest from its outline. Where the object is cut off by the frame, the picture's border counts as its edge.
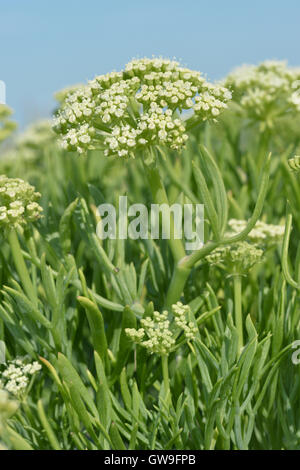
(145, 110)
(142, 343)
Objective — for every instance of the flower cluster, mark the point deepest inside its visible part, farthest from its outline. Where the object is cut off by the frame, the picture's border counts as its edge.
(30, 145)
(237, 258)
(17, 202)
(181, 315)
(142, 105)
(267, 90)
(154, 127)
(158, 334)
(15, 378)
(36, 136)
(294, 163)
(61, 95)
(159, 338)
(6, 125)
(262, 233)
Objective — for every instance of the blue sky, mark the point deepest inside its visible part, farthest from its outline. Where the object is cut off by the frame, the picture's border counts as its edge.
(48, 44)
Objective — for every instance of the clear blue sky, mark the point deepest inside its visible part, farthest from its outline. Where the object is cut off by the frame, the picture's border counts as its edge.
(48, 44)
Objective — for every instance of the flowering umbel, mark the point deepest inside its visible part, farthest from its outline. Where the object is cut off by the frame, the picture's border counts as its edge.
(237, 258)
(141, 106)
(15, 378)
(262, 233)
(266, 91)
(18, 202)
(240, 257)
(37, 136)
(159, 334)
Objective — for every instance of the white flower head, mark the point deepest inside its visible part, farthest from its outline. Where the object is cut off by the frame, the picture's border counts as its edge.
(267, 90)
(144, 104)
(18, 202)
(159, 333)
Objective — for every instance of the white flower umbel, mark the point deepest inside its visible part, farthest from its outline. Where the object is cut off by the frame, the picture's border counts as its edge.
(18, 202)
(262, 233)
(162, 334)
(61, 95)
(36, 136)
(15, 378)
(18, 207)
(32, 144)
(141, 106)
(159, 334)
(237, 258)
(267, 90)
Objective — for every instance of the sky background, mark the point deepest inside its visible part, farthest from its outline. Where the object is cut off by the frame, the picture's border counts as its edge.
(46, 45)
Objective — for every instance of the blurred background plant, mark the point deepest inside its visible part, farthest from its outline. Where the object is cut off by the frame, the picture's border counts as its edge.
(7, 126)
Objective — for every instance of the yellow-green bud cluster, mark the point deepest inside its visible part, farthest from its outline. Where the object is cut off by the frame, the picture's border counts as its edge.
(6, 125)
(155, 334)
(294, 163)
(15, 378)
(237, 258)
(181, 314)
(158, 334)
(140, 106)
(262, 233)
(267, 90)
(17, 202)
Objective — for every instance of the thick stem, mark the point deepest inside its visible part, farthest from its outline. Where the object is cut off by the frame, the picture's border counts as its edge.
(160, 197)
(186, 263)
(237, 286)
(263, 148)
(182, 271)
(177, 284)
(21, 266)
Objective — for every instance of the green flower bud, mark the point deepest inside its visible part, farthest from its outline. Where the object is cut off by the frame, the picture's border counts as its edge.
(237, 258)
(161, 333)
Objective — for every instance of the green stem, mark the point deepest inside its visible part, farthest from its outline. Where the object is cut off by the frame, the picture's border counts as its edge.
(285, 252)
(237, 287)
(263, 148)
(165, 371)
(182, 271)
(185, 265)
(160, 197)
(21, 266)
(177, 284)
